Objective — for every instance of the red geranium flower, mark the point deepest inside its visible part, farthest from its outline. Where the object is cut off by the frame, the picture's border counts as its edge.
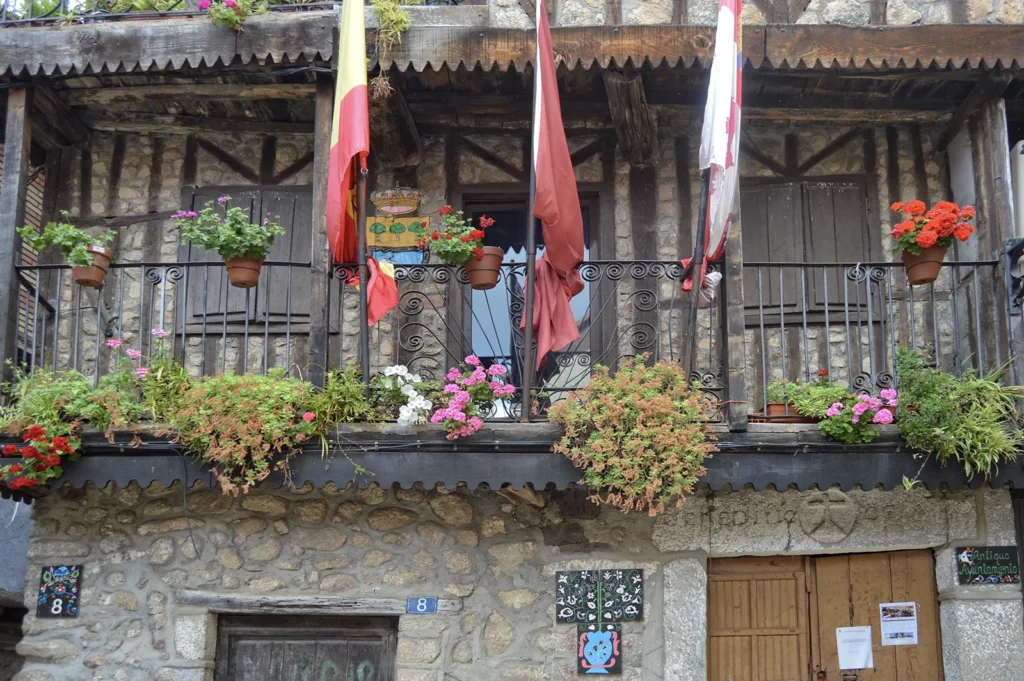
(926, 238)
(36, 433)
(18, 483)
(479, 253)
(898, 206)
(52, 460)
(445, 210)
(29, 452)
(15, 468)
(476, 234)
(60, 443)
(916, 207)
(485, 221)
(963, 231)
(823, 372)
(435, 236)
(10, 450)
(967, 213)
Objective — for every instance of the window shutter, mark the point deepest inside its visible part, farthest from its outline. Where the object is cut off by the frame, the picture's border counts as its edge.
(293, 210)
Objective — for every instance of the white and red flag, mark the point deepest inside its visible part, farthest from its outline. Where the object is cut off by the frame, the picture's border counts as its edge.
(720, 136)
(556, 204)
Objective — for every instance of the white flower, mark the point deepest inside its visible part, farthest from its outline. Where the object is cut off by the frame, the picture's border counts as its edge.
(408, 390)
(415, 378)
(390, 371)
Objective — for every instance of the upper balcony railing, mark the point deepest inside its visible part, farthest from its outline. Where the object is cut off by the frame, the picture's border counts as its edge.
(49, 12)
(798, 319)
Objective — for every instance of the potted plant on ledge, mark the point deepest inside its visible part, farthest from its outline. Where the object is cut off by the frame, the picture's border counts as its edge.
(86, 253)
(924, 236)
(459, 243)
(244, 245)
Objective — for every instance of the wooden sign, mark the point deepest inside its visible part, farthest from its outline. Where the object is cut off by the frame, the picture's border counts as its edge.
(59, 587)
(988, 565)
(396, 233)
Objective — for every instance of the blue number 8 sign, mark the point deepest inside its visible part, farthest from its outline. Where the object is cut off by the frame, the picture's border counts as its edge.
(421, 606)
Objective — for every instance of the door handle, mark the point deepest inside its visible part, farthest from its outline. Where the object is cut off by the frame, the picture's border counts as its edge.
(822, 675)
(851, 676)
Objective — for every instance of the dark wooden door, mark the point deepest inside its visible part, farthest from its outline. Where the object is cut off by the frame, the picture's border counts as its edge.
(268, 648)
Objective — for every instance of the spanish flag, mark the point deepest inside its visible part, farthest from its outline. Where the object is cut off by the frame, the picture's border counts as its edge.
(350, 134)
(381, 289)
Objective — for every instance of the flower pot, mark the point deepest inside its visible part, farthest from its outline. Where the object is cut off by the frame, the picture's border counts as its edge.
(777, 413)
(483, 273)
(924, 268)
(93, 276)
(244, 272)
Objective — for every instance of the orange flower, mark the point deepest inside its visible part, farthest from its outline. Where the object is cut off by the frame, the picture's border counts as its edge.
(947, 206)
(905, 227)
(926, 239)
(963, 231)
(898, 206)
(916, 207)
(967, 213)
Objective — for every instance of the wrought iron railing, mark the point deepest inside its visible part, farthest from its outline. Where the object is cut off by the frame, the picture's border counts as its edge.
(849, 319)
(799, 318)
(42, 12)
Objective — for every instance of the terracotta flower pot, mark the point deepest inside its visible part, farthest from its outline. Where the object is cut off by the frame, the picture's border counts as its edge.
(93, 276)
(483, 274)
(924, 268)
(777, 413)
(244, 272)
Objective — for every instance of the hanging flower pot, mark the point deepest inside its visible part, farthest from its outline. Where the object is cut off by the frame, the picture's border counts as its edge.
(923, 237)
(483, 272)
(243, 272)
(93, 275)
(924, 268)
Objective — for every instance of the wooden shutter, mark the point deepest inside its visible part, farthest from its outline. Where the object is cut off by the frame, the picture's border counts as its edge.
(757, 619)
(209, 295)
(772, 232)
(293, 209)
(268, 648)
(848, 592)
(836, 230)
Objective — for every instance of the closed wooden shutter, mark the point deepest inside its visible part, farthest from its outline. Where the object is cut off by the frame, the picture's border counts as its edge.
(772, 232)
(836, 230)
(267, 648)
(758, 619)
(293, 209)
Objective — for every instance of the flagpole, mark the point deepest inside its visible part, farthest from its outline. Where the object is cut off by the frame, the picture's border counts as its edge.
(694, 271)
(531, 239)
(364, 326)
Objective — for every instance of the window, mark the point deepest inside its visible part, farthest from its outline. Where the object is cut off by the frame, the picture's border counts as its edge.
(282, 292)
(492, 332)
(269, 648)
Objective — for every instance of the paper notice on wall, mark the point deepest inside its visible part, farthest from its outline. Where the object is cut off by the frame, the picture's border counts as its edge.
(899, 624)
(854, 644)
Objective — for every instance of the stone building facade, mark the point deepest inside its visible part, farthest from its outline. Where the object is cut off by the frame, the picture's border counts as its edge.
(492, 554)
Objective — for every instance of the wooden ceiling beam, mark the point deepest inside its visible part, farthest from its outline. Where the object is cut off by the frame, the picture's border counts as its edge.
(197, 92)
(635, 124)
(991, 86)
(167, 124)
(65, 129)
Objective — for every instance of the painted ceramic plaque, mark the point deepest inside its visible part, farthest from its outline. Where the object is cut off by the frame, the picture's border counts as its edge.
(395, 233)
(622, 595)
(59, 587)
(576, 596)
(598, 648)
(987, 565)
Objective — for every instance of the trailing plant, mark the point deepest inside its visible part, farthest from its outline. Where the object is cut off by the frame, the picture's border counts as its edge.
(392, 21)
(468, 394)
(850, 419)
(47, 398)
(230, 13)
(457, 241)
(638, 435)
(923, 228)
(245, 427)
(72, 241)
(341, 400)
(971, 420)
(232, 235)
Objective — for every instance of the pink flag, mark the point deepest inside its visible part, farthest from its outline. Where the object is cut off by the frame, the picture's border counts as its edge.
(556, 203)
(720, 136)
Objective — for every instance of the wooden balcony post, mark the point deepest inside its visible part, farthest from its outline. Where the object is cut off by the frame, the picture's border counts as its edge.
(18, 142)
(734, 349)
(319, 301)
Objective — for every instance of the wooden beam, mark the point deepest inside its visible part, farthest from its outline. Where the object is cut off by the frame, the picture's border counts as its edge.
(831, 148)
(635, 124)
(168, 124)
(747, 149)
(920, 167)
(583, 153)
(294, 168)
(988, 88)
(498, 162)
(268, 159)
(229, 160)
(60, 116)
(101, 97)
(13, 189)
(320, 269)
(393, 132)
(734, 349)
(223, 603)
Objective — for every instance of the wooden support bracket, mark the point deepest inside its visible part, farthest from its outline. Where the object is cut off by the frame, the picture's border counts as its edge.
(635, 124)
(393, 132)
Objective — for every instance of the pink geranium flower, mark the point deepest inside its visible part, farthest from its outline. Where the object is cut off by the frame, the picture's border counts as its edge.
(472, 360)
(133, 354)
(204, 5)
(308, 417)
(141, 372)
(159, 333)
(114, 342)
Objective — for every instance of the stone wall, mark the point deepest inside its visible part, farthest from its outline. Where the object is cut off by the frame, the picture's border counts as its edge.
(494, 554)
(509, 14)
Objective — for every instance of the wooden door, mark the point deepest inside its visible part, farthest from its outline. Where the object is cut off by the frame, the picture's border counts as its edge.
(268, 648)
(758, 619)
(847, 591)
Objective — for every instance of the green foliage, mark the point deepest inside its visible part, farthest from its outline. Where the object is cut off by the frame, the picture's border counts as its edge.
(638, 435)
(164, 386)
(778, 391)
(393, 20)
(244, 427)
(233, 13)
(846, 427)
(813, 399)
(971, 420)
(113, 404)
(341, 400)
(48, 398)
(231, 235)
(71, 241)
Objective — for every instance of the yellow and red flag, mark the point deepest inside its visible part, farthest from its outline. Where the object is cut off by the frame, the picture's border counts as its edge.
(350, 133)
